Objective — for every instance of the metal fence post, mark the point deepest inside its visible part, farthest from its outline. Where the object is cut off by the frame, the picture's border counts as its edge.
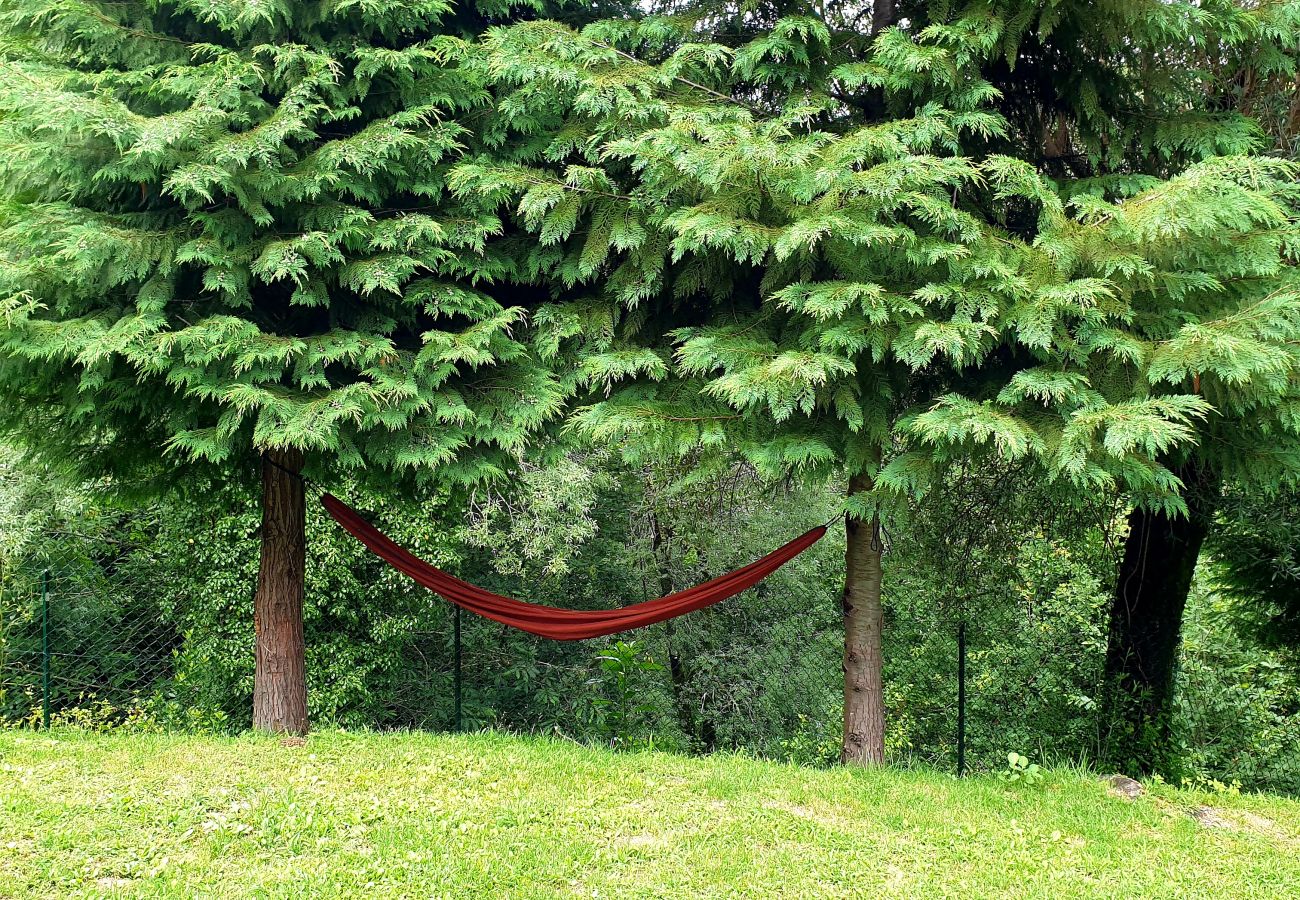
(45, 649)
(456, 673)
(961, 698)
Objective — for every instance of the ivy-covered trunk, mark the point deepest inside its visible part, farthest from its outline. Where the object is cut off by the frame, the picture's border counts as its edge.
(280, 683)
(1155, 579)
(864, 694)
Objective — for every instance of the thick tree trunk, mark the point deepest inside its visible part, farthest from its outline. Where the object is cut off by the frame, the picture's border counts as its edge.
(280, 683)
(1146, 619)
(864, 695)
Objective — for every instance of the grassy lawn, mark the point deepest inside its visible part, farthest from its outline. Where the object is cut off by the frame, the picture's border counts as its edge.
(356, 815)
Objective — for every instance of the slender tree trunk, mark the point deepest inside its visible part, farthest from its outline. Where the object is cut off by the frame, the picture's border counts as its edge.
(883, 15)
(676, 667)
(695, 724)
(1146, 619)
(280, 683)
(864, 694)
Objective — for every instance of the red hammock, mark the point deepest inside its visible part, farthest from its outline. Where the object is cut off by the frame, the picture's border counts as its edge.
(548, 621)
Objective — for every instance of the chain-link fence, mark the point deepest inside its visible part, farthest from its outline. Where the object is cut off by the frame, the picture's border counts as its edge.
(94, 623)
(751, 674)
(80, 648)
(80, 642)
(108, 619)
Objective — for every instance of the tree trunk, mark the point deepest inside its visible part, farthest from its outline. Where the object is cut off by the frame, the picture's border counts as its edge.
(864, 695)
(699, 730)
(1146, 621)
(280, 683)
(883, 15)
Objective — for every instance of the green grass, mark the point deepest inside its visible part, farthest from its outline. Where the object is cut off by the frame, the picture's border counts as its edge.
(409, 815)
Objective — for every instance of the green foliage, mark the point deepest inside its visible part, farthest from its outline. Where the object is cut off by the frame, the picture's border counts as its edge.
(542, 519)
(1255, 545)
(366, 664)
(816, 741)
(625, 666)
(849, 246)
(226, 226)
(1020, 771)
(1238, 708)
(67, 581)
(1026, 568)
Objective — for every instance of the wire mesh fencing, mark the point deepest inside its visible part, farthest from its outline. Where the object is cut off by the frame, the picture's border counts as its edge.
(90, 638)
(97, 630)
(762, 675)
(740, 676)
(80, 647)
(80, 642)
(110, 620)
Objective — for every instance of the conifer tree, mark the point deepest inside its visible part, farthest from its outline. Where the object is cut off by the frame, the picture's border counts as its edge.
(841, 253)
(226, 231)
(1237, 61)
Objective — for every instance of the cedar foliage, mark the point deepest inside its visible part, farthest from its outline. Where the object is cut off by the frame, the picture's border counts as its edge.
(226, 225)
(995, 227)
(769, 263)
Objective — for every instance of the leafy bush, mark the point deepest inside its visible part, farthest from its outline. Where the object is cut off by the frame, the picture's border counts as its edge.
(1238, 703)
(1256, 545)
(625, 696)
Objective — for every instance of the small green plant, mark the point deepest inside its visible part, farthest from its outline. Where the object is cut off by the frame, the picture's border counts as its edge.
(94, 713)
(815, 740)
(1207, 785)
(1020, 770)
(622, 703)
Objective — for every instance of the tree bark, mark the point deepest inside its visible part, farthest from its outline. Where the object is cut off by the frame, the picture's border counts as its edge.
(1155, 578)
(883, 15)
(864, 695)
(280, 682)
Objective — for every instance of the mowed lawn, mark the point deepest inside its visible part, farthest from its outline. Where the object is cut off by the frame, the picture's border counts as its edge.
(411, 815)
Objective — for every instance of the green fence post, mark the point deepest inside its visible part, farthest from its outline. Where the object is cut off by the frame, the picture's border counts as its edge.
(961, 697)
(456, 673)
(45, 649)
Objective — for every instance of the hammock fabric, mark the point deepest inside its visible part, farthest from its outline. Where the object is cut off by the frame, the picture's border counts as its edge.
(548, 621)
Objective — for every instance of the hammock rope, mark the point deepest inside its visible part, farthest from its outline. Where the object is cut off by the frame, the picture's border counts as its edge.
(553, 622)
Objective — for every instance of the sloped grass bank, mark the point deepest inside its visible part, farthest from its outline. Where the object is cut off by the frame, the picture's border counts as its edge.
(411, 815)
